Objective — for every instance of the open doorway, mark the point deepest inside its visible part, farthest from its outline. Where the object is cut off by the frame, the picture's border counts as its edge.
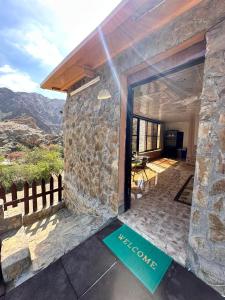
(162, 126)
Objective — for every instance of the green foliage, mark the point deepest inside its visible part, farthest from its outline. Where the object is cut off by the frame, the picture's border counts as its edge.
(20, 148)
(36, 164)
(1, 159)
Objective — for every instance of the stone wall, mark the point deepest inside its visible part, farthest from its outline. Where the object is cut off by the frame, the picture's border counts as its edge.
(91, 139)
(91, 127)
(207, 229)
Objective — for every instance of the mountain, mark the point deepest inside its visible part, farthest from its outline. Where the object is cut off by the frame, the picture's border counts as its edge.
(23, 131)
(47, 113)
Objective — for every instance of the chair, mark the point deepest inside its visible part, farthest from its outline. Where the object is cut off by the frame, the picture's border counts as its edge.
(135, 191)
(140, 168)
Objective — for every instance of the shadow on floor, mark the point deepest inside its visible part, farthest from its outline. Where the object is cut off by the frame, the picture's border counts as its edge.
(91, 272)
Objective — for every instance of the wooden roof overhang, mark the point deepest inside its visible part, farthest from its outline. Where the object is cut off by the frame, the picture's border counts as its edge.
(119, 31)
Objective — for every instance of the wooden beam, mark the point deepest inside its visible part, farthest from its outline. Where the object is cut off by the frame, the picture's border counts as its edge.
(89, 72)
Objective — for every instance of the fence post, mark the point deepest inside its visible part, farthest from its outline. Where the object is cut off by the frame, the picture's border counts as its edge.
(3, 196)
(43, 191)
(26, 197)
(14, 195)
(34, 194)
(60, 188)
(51, 190)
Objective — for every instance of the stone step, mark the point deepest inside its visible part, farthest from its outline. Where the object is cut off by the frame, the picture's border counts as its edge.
(15, 254)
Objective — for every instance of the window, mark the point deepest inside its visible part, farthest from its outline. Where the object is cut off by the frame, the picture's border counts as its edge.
(134, 135)
(142, 136)
(146, 135)
(159, 136)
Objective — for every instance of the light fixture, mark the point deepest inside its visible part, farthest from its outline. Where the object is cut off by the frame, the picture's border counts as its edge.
(104, 94)
(86, 85)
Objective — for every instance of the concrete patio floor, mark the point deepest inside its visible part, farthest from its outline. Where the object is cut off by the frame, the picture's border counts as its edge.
(52, 237)
(91, 272)
(155, 215)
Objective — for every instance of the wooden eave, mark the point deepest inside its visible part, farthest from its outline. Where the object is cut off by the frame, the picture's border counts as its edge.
(130, 22)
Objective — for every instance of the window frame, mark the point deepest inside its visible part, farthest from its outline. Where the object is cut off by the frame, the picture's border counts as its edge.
(136, 134)
(147, 135)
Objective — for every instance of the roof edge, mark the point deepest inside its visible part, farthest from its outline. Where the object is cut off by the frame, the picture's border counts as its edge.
(79, 46)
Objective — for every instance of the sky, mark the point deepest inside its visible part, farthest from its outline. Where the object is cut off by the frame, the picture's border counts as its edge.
(35, 36)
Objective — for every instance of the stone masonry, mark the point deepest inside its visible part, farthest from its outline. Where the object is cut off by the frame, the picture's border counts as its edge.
(207, 229)
(92, 130)
(90, 123)
(91, 139)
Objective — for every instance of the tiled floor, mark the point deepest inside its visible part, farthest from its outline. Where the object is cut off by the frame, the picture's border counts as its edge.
(186, 194)
(156, 216)
(91, 272)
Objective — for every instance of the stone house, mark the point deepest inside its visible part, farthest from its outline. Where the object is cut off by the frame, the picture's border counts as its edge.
(160, 66)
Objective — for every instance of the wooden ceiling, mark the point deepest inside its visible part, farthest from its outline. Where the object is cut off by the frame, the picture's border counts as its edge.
(129, 23)
(171, 98)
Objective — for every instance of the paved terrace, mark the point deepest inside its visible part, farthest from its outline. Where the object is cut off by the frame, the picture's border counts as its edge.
(50, 238)
(91, 272)
(155, 215)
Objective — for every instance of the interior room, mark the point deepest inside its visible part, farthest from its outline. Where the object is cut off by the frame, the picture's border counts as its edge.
(164, 141)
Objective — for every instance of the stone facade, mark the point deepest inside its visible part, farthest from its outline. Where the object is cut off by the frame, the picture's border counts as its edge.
(91, 139)
(92, 131)
(82, 180)
(90, 123)
(207, 231)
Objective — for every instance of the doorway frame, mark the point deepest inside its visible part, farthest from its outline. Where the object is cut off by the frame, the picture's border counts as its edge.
(129, 118)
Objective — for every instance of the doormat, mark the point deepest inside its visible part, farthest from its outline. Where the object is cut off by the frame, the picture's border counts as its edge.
(148, 263)
(185, 193)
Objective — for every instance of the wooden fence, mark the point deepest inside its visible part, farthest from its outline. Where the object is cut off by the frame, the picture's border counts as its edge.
(32, 203)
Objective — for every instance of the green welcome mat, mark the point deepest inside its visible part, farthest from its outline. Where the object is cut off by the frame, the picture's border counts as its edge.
(144, 260)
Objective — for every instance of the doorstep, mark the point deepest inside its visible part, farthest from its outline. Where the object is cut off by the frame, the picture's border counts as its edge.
(91, 272)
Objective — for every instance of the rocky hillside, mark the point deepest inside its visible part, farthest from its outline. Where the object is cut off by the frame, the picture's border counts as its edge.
(23, 131)
(45, 112)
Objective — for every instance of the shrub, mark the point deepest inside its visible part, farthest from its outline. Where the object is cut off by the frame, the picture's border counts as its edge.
(1, 159)
(35, 164)
(15, 155)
